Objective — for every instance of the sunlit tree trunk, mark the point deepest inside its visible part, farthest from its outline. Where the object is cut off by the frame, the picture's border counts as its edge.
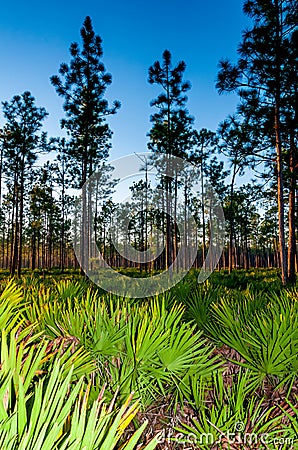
(292, 201)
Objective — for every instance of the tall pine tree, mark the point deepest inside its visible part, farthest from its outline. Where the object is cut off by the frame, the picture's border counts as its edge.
(261, 79)
(171, 132)
(24, 120)
(83, 84)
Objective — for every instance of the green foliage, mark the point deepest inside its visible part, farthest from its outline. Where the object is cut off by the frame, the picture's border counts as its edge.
(235, 414)
(68, 338)
(171, 131)
(82, 85)
(54, 416)
(10, 307)
(267, 338)
(137, 347)
(45, 400)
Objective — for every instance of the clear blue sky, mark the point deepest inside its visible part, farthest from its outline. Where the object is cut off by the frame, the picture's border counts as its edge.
(35, 37)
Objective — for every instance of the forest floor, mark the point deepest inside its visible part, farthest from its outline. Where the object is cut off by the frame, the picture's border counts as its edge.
(212, 366)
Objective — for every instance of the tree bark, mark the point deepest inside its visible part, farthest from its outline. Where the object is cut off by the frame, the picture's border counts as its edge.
(279, 156)
(292, 201)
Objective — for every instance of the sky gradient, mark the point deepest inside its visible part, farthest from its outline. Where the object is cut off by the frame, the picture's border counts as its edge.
(35, 40)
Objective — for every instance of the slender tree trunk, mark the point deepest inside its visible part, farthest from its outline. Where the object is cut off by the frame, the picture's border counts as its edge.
(175, 234)
(245, 249)
(169, 243)
(185, 225)
(14, 232)
(50, 232)
(33, 252)
(10, 226)
(203, 209)
(232, 220)
(1, 170)
(278, 146)
(20, 250)
(62, 230)
(292, 198)
(3, 247)
(280, 203)
(84, 225)
(146, 213)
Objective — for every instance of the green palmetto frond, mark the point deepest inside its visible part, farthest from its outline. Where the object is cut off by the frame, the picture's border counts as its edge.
(158, 352)
(268, 341)
(142, 347)
(11, 306)
(56, 415)
(226, 408)
(25, 356)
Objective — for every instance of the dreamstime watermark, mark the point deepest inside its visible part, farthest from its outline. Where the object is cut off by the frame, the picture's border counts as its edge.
(238, 436)
(175, 186)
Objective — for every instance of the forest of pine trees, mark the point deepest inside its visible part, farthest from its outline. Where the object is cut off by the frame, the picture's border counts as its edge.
(38, 215)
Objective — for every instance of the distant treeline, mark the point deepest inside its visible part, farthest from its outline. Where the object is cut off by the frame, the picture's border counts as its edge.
(39, 218)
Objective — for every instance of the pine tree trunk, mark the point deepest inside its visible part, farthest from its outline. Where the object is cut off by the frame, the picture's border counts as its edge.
(203, 210)
(33, 251)
(175, 236)
(278, 146)
(1, 170)
(20, 250)
(231, 220)
(292, 197)
(185, 225)
(280, 201)
(83, 240)
(14, 228)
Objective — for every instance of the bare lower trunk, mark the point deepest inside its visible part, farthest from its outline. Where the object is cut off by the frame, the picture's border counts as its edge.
(292, 195)
(278, 146)
(232, 220)
(20, 250)
(280, 203)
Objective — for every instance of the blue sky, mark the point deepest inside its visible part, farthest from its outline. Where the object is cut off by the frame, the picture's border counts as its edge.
(35, 37)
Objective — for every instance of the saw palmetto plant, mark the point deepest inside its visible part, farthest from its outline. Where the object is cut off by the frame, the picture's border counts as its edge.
(45, 386)
(82, 369)
(229, 415)
(145, 348)
(267, 340)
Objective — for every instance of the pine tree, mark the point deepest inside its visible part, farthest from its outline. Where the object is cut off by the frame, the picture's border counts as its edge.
(171, 130)
(234, 143)
(83, 84)
(24, 121)
(261, 79)
(205, 144)
(171, 133)
(62, 178)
